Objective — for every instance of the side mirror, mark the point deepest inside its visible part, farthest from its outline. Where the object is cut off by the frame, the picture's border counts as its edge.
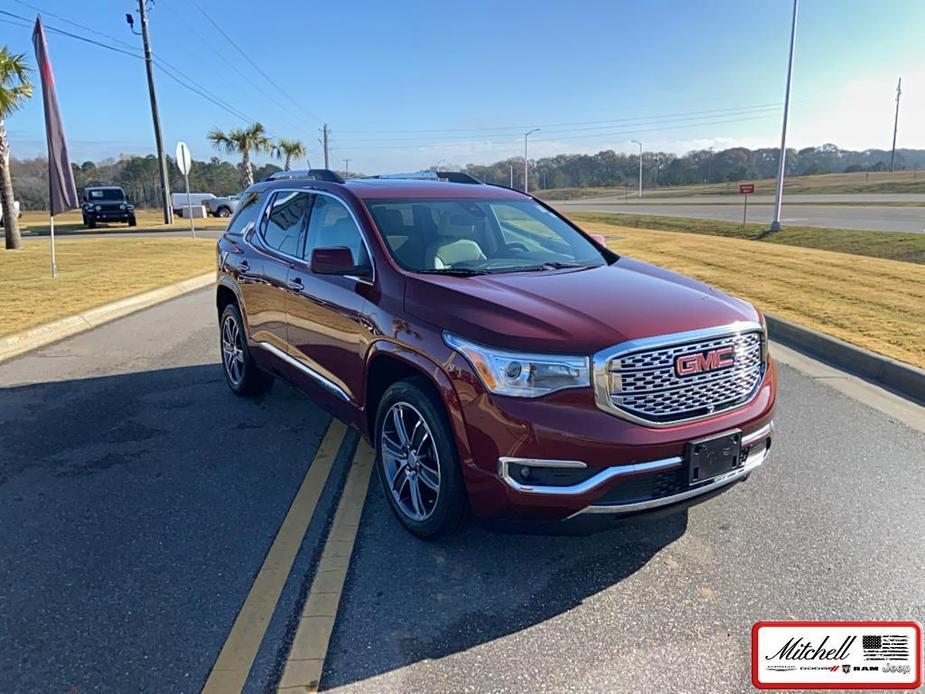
(600, 239)
(336, 260)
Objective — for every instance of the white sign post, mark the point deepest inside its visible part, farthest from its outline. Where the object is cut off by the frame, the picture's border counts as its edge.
(184, 162)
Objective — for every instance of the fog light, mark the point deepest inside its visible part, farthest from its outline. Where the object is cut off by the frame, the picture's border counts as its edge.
(525, 472)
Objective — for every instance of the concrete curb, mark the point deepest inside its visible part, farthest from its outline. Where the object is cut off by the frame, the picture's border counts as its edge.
(903, 379)
(39, 336)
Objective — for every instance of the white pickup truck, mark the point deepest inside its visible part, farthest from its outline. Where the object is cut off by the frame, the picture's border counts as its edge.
(222, 206)
(15, 207)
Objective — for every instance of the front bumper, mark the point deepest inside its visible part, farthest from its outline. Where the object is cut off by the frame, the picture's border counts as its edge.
(110, 215)
(590, 463)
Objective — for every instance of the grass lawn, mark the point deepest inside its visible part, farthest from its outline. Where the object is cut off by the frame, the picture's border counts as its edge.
(875, 182)
(148, 220)
(877, 244)
(875, 303)
(91, 272)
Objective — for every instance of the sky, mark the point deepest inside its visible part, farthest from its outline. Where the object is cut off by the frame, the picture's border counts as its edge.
(406, 84)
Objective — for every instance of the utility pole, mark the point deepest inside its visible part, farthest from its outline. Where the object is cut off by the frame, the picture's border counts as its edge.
(899, 92)
(526, 164)
(165, 181)
(324, 142)
(346, 168)
(778, 198)
(640, 166)
(512, 175)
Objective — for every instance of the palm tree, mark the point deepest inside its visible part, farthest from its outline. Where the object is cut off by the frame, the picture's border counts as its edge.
(289, 150)
(242, 141)
(15, 88)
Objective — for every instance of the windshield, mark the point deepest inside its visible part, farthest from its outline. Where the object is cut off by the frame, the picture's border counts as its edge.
(105, 194)
(480, 236)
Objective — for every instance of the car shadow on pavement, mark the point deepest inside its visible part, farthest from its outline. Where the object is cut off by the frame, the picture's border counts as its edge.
(409, 601)
(137, 509)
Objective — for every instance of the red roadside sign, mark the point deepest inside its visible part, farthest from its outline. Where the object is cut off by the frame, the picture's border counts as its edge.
(746, 188)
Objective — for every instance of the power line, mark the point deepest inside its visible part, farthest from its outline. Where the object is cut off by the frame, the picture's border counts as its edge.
(166, 69)
(601, 129)
(290, 116)
(254, 64)
(631, 131)
(76, 24)
(75, 36)
(519, 128)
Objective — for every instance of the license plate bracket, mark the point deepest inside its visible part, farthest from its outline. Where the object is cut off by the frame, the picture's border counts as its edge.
(711, 457)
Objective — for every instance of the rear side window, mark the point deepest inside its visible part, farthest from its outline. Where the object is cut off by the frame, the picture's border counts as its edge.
(285, 220)
(246, 217)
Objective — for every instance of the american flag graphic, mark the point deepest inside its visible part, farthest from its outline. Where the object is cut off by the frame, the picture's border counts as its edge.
(885, 647)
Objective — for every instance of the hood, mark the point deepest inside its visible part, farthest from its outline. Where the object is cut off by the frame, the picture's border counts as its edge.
(571, 311)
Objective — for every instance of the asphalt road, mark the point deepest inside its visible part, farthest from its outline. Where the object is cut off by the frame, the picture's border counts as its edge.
(138, 499)
(872, 217)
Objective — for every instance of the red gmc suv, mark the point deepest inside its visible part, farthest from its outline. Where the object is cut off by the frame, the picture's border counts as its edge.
(501, 361)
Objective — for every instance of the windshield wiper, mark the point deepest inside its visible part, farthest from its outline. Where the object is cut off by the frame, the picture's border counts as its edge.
(543, 266)
(456, 271)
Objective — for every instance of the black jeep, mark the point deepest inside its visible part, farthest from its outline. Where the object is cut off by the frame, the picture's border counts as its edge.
(106, 204)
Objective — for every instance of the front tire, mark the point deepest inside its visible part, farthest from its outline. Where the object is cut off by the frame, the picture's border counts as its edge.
(132, 222)
(91, 224)
(223, 212)
(242, 374)
(418, 463)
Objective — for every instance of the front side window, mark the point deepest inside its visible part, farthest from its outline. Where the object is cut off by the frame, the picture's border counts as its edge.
(285, 218)
(332, 225)
(247, 212)
(480, 236)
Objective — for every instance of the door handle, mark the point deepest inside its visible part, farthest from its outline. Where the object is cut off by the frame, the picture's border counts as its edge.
(244, 266)
(295, 283)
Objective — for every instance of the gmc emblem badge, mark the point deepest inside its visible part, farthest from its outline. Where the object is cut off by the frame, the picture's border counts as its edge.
(715, 359)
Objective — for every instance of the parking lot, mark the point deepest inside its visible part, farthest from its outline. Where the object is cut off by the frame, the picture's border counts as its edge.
(140, 499)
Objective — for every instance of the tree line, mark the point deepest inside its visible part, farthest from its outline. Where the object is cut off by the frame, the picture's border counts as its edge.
(610, 169)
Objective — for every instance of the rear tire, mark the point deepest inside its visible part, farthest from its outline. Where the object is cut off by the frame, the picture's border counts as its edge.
(242, 374)
(417, 461)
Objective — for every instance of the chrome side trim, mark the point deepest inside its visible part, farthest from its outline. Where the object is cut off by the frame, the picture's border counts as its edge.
(600, 362)
(761, 433)
(542, 462)
(307, 370)
(753, 461)
(589, 484)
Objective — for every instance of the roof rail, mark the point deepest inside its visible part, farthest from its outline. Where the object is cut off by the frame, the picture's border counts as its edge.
(313, 174)
(450, 176)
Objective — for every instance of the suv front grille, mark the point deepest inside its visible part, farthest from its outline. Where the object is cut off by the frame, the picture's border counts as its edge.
(644, 383)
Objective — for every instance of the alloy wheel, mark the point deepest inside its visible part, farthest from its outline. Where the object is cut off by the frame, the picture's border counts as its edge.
(233, 350)
(410, 461)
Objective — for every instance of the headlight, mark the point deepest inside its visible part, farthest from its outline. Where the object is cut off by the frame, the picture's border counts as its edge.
(522, 375)
(121, 207)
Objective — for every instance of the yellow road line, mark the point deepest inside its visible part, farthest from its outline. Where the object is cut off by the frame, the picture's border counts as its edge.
(234, 662)
(304, 665)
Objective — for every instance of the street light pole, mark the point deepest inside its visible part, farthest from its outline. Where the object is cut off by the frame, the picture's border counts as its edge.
(775, 221)
(346, 168)
(640, 166)
(526, 165)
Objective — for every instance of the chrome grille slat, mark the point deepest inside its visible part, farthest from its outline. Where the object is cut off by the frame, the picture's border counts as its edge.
(642, 382)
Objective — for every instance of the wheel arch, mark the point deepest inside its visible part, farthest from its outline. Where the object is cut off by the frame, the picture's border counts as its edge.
(389, 363)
